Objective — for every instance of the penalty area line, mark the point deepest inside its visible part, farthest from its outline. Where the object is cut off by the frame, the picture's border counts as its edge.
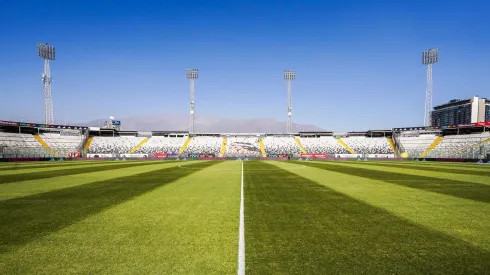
(241, 233)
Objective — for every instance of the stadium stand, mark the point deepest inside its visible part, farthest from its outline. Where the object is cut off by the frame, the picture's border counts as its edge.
(415, 143)
(461, 146)
(368, 145)
(63, 142)
(14, 144)
(243, 146)
(280, 145)
(160, 144)
(204, 145)
(322, 145)
(118, 145)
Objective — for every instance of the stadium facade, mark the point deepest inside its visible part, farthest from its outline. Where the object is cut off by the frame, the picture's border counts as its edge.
(458, 112)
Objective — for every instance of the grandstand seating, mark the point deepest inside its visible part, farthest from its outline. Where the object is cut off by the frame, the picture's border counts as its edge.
(204, 145)
(243, 146)
(60, 142)
(110, 145)
(368, 145)
(280, 145)
(460, 146)
(158, 144)
(13, 144)
(322, 145)
(415, 144)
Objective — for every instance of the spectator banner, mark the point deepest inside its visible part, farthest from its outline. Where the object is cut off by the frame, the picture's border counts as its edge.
(134, 155)
(381, 156)
(314, 156)
(99, 155)
(160, 155)
(347, 156)
(74, 154)
(9, 123)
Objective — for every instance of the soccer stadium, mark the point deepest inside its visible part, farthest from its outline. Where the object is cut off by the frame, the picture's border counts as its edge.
(107, 199)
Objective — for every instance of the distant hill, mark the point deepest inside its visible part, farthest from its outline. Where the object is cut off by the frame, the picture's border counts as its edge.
(205, 124)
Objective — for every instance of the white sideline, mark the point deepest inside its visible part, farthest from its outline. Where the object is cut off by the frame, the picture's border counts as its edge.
(241, 234)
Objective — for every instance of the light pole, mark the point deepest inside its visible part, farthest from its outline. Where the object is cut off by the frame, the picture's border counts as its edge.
(289, 76)
(428, 58)
(47, 52)
(192, 74)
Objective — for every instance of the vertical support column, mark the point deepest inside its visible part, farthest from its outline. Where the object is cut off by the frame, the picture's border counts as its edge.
(192, 106)
(289, 76)
(428, 97)
(192, 75)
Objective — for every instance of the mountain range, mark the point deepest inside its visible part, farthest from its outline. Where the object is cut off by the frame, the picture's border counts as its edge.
(203, 124)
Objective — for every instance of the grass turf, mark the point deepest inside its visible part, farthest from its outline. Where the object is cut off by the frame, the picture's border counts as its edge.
(300, 218)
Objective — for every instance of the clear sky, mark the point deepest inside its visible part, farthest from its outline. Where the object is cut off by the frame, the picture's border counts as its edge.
(358, 63)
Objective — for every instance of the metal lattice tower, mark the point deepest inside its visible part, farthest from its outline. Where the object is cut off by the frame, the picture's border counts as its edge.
(429, 58)
(289, 76)
(47, 53)
(192, 74)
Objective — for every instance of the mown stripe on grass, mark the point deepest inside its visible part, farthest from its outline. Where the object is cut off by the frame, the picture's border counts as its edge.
(48, 168)
(461, 189)
(296, 226)
(27, 218)
(64, 172)
(187, 227)
(411, 170)
(32, 187)
(460, 218)
(46, 164)
(452, 170)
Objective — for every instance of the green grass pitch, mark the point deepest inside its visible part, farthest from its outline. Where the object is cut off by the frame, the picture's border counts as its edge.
(169, 217)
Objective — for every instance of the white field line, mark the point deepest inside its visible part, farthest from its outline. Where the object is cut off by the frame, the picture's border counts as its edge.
(241, 234)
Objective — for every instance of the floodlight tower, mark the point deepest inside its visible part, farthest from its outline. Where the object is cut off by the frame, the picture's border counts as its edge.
(192, 75)
(428, 58)
(289, 76)
(47, 53)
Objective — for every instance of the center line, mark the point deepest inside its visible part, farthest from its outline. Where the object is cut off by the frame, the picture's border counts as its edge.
(241, 234)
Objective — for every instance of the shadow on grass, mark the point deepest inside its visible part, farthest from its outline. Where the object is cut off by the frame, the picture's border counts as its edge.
(27, 218)
(68, 172)
(296, 226)
(461, 189)
(451, 170)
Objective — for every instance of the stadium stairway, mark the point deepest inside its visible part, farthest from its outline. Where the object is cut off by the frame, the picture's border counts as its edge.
(223, 147)
(432, 146)
(262, 148)
(303, 151)
(345, 145)
(186, 143)
(46, 146)
(392, 146)
(474, 145)
(139, 145)
(87, 144)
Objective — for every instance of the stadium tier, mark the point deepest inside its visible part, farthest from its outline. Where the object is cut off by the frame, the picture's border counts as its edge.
(31, 140)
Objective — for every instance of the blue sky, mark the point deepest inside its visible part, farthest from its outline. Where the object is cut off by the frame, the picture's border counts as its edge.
(358, 63)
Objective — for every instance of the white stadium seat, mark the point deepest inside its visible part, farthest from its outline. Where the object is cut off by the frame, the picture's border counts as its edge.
(204, 145)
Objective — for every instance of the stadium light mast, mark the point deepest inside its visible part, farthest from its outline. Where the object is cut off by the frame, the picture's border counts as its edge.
(47, 53)
(289, 76)
(428, 58)
(192, 75)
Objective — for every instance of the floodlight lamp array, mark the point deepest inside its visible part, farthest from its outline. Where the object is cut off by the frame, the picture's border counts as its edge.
(46, 51)
(192, 73)
(289, 75)
(430, 57)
